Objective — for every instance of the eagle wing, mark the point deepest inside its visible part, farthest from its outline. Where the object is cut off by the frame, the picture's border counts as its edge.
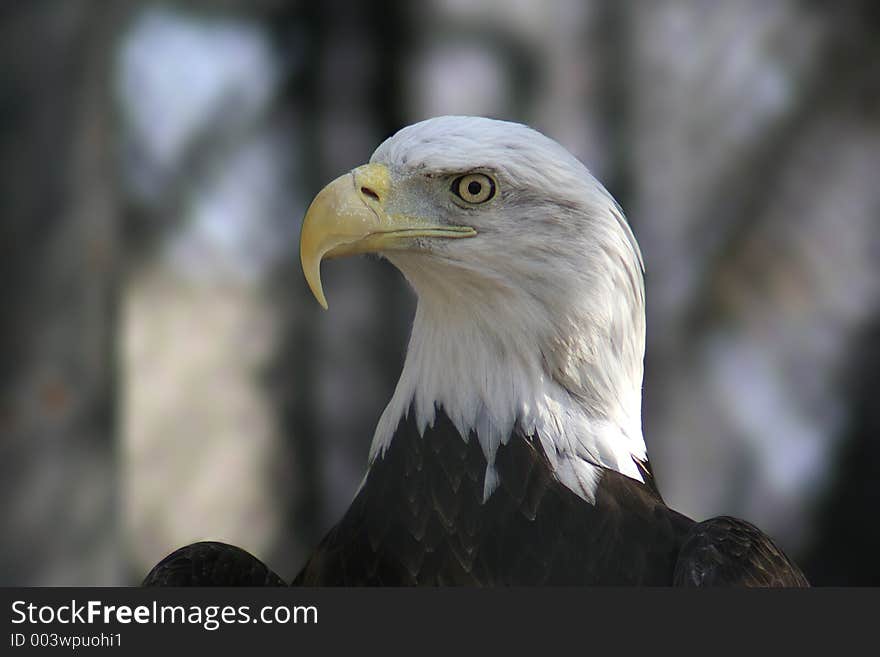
(727, 551)
(211, 564)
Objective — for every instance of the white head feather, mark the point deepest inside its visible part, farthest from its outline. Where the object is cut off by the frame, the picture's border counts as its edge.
(538, 321)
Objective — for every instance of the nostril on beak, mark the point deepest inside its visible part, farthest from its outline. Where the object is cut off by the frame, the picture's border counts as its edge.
(366, 191)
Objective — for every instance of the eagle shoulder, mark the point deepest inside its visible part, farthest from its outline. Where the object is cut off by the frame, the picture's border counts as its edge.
(211, 563)
(726, 551)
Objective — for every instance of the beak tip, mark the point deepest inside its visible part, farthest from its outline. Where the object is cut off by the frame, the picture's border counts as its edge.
(312, 272)
(317, 290)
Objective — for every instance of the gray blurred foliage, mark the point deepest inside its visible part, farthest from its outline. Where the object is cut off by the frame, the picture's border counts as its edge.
(166, 376)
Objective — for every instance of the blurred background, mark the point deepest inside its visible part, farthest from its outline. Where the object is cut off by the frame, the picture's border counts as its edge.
(166, 377)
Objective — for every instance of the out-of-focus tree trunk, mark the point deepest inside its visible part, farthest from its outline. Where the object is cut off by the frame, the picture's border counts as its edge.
(59, 255)
(203, 457)
(847, 537)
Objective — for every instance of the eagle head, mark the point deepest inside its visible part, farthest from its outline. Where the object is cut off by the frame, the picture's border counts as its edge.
(530, 312)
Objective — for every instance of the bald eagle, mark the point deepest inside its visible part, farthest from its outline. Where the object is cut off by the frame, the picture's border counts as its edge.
(511, 452)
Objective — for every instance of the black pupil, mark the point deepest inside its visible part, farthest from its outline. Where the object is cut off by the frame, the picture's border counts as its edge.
(474, 188)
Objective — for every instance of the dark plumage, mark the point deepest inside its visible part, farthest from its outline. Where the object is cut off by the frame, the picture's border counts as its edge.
(419, 519)
(727, 551)
(211, 564)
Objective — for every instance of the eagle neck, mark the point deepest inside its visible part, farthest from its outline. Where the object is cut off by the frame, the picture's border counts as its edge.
(486, 366)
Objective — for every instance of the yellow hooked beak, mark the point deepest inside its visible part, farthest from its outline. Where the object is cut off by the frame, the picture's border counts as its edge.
(349, 217)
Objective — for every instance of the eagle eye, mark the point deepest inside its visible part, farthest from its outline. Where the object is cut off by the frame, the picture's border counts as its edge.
(474, 188)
